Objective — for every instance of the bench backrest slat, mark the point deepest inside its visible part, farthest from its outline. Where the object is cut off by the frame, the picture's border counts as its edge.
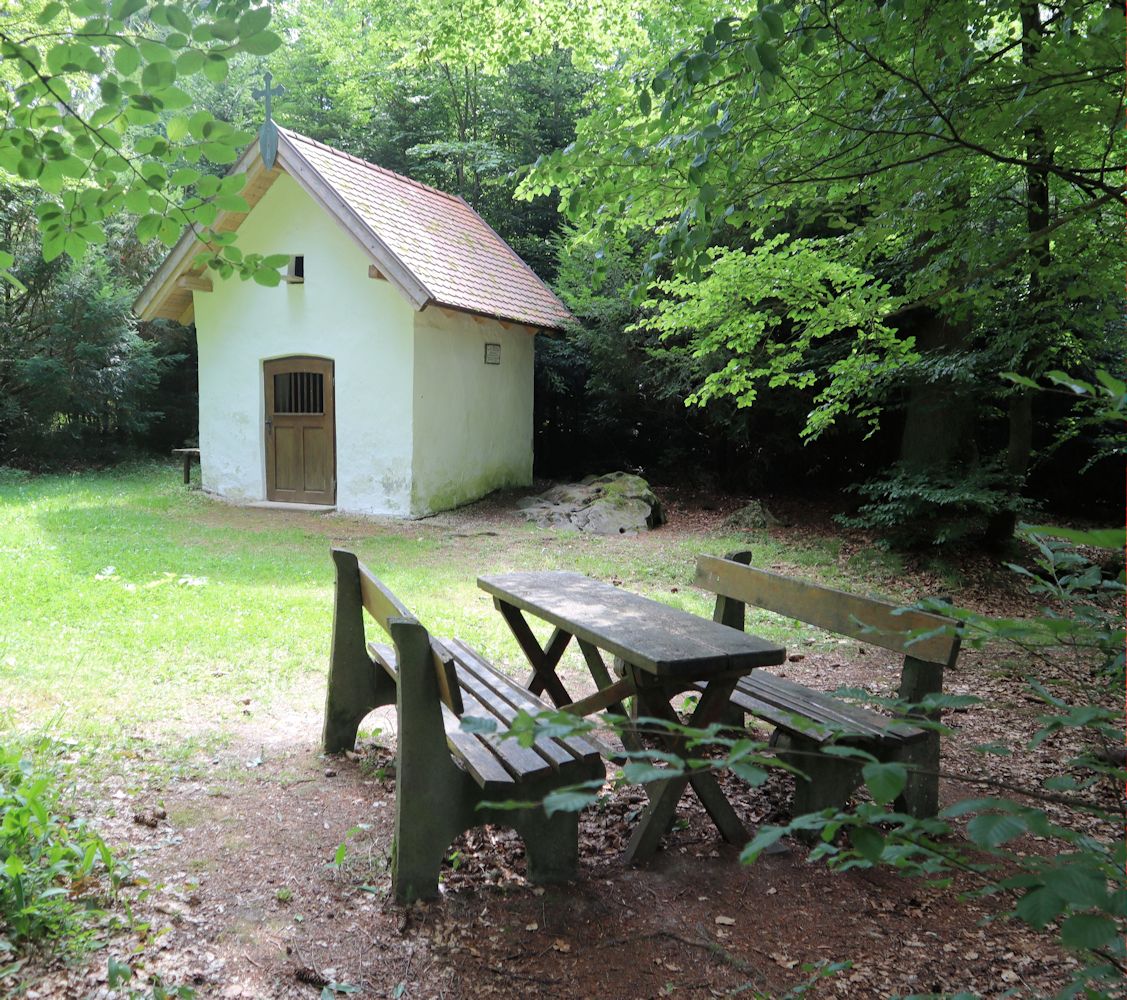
(378, 601)
(383, 605)
(876, 622)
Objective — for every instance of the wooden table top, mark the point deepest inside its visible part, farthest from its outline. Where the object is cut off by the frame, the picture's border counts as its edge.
(654, 637)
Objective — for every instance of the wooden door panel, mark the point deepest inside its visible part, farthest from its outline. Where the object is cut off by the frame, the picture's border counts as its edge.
(300, 430)
(287, 459)
(317, 453)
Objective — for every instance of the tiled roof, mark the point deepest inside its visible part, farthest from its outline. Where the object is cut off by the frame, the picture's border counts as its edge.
(445, 244)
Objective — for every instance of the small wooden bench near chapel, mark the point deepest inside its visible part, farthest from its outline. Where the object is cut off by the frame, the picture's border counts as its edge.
(443, 774)
(805, 720)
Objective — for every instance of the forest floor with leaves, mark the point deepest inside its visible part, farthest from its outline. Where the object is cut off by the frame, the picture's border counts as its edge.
(232, 844)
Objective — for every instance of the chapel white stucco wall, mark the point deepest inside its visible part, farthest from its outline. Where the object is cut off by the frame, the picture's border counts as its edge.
(473, 422)
(364, 325)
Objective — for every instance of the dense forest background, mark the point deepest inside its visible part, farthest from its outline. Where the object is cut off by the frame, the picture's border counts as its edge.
(802, 243)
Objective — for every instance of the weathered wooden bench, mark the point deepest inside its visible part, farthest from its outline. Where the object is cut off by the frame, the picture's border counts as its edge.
(805, 720)
(443, 774)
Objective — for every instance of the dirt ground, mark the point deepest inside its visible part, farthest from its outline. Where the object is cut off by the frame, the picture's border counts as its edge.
(233, 860)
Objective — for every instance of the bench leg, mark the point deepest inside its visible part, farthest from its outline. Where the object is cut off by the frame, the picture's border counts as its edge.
(920, 797)
(830, 780)
(356, 685)
(434, 798)
(429, 815)
(551, 843)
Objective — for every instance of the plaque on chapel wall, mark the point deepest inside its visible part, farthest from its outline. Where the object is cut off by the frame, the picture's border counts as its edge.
(492, 354)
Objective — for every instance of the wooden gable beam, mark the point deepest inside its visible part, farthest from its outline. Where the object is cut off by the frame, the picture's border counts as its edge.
(194, 282)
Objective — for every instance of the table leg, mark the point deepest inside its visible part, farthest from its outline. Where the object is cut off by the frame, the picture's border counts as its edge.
(599, 671)
(713, 707)
(543, 660)
(664, 795)
(602, 678)
(187, 470)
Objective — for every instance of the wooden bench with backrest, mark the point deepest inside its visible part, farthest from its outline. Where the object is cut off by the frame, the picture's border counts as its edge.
(444, 774)
(805, 720)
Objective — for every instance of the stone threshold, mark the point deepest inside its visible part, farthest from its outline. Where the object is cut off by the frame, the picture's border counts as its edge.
(313, 508)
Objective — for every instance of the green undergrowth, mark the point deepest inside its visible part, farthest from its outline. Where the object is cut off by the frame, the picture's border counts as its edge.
(57, 875)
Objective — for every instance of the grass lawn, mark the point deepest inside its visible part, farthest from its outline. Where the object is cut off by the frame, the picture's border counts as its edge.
(136, 607)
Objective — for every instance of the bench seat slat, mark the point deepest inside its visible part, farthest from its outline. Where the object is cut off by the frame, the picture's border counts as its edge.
(493, 761)
(481, 698)
(384, 656)
(524, 763)
(478, 759)
(822, 707)
(577, 747)
(784, 703)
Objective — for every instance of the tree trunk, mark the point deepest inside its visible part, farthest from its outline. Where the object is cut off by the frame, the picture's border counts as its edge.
(1019, 449)
(939, 419)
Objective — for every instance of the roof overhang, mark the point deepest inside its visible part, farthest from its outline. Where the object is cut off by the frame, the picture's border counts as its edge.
(168, 294)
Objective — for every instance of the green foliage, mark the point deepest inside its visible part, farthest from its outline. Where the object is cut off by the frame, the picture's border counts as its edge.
(79, 381)
(1074, 884)
(611, 389)
(85, 84)
(51, 864)
(119, 977)
(944, 167)
(757, 314)
(913, 508)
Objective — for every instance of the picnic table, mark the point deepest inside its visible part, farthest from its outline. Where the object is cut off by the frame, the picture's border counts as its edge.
(657, 652)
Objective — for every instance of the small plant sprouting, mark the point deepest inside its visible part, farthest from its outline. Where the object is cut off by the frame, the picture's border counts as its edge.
(49, 880)
(342, 848)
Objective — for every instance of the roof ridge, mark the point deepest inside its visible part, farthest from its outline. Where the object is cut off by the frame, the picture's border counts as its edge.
(367, 163)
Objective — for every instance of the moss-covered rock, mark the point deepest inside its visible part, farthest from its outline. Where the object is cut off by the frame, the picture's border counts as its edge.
(615, 504)
(752, 517)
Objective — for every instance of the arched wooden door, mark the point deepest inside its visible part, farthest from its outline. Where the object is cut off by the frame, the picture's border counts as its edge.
(300, 432)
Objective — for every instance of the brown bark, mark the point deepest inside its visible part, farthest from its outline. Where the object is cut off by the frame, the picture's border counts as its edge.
(1019, 448)
(939, 420)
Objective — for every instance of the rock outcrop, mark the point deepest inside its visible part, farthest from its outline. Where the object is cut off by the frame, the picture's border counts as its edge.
(751, 517)
(614, 504)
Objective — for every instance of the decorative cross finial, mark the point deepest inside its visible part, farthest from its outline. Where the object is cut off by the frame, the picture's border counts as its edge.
(268, 134)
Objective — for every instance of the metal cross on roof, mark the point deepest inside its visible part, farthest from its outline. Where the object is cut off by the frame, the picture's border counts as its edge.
(268, 134)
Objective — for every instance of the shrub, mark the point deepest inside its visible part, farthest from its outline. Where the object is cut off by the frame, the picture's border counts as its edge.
(912, 509)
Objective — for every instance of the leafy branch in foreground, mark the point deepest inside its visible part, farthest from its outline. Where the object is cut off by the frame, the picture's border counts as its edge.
(94, 115)
(1073, 880)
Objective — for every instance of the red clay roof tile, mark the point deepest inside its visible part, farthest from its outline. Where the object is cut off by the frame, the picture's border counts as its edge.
(443, 242)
